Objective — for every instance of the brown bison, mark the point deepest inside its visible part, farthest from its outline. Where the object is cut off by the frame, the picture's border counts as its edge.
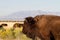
(4, 24)
(46, 27)
(17, 25)
(1, 26)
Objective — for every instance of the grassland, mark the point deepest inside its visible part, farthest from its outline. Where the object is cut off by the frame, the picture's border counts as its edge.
(12, 34)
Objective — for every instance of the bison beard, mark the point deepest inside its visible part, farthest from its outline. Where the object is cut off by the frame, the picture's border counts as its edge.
(46, 27)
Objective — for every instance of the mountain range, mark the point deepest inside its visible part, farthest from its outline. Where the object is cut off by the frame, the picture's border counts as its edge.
(19, 16)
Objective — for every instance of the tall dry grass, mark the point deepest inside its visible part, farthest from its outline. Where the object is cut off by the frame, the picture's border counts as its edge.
(12, 34)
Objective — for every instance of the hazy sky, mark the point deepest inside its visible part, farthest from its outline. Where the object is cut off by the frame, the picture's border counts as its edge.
(10, 6)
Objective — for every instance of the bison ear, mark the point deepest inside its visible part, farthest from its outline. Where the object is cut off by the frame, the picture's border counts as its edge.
(30, 20)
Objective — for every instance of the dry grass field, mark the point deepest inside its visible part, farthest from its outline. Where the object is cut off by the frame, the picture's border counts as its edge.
(12, 34)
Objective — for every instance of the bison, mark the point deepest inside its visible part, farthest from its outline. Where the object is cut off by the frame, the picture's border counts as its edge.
(4, 24)
(17, 25)
(45, 27)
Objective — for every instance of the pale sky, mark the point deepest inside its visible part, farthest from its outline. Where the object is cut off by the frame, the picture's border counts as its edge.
(11, 6)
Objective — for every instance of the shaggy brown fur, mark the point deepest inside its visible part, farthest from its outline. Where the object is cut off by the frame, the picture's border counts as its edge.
(46, 27)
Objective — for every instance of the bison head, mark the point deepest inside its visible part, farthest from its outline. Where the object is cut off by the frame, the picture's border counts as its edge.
(28, 27)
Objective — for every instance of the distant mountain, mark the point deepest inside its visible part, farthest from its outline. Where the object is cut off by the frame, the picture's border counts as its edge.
(22, 14)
